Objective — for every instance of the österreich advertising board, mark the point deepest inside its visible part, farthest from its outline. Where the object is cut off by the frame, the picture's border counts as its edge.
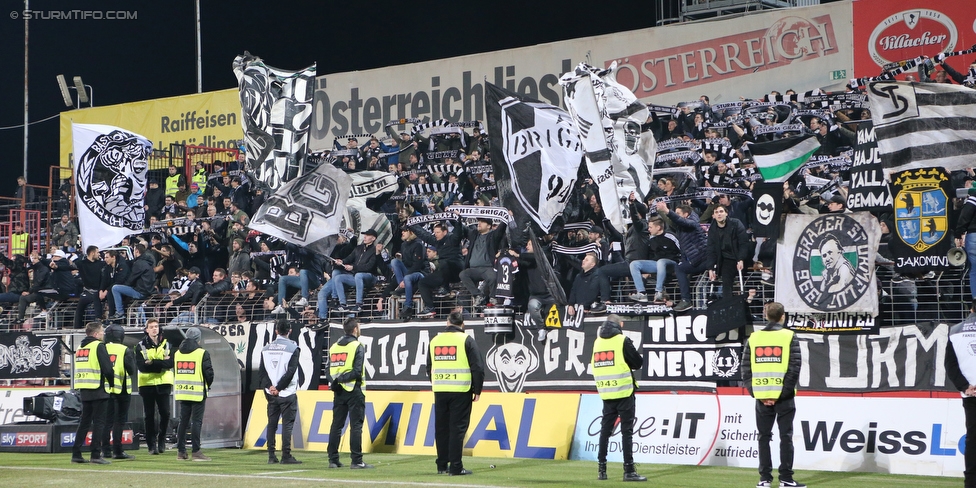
(751, 55)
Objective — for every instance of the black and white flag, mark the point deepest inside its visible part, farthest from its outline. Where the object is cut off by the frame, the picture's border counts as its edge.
(869, 188)
(536, 153)
(276, 107)
(769, 209)
(110, 166)
(368, 189)
(308, 210)
(825, 263)
(921, 125)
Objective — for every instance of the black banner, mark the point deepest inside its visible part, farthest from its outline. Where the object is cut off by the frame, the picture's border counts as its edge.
(23, 355)
(923, 236)
(833, 323)
(248, 339)
(909, 357)
(869, 189)
(679, 354)
(768, 208)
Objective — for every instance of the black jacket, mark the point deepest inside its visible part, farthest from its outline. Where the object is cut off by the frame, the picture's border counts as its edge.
(108, 376)
(193, 294)
(448, 248)
(474, 361)
(42, 277)
(729, 242)
(90, 272)
(664, 246)
(218, 288)
(363, 259)
(494, 237)
(793, 368)
(61, 278)
(157, 366)
(189, 346)
(142, 277)
(414, 256)
(357, 367)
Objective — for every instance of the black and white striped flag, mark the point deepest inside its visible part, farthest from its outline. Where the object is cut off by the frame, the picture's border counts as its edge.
(919, 125)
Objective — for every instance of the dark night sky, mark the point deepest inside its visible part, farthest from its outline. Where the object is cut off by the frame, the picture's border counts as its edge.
(154, 55)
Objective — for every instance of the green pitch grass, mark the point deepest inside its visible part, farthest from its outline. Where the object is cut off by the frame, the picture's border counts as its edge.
(238, 468)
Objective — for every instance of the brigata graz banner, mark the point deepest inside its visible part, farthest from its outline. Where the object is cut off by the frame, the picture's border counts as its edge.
(24, 355)
(676, 355)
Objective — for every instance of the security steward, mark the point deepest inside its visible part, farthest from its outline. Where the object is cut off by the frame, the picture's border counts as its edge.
(770, 370)
(279, 379)
(960, 367)
(194, 375)
(117, 413)
(614, 359)
(347, 360)
(94, 379)
(155, 364)
(457, 376)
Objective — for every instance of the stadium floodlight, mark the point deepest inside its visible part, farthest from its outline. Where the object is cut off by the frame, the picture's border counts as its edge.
(65, 94)
(80, 86)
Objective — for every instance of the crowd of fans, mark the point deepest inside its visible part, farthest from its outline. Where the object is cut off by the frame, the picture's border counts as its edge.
(198, 243)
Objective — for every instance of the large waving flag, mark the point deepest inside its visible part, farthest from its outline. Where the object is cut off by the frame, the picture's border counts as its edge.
(307, 210)
(110, 174)
(778, 160)
(276, 112)
(536, 154)
(921, 125)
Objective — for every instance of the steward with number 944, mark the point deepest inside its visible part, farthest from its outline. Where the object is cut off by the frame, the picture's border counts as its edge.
(770, 370)
(614, 359)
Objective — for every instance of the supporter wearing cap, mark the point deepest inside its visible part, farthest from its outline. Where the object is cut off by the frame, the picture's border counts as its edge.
(358, 268)
(836, 204)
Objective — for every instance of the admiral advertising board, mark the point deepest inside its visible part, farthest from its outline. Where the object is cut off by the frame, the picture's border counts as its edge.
(888, 31)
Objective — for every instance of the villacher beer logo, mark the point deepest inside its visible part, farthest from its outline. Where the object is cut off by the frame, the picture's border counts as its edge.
(186, 367)
(445, 353)
(603, 359)
(769, 354)
(830, 264)
(338, 359)
(908, 33)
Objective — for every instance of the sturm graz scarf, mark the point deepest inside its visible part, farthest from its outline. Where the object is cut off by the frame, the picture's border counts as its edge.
(479, 212)
(702, 193)
(276, 108)
(429, 188)
(434, 217)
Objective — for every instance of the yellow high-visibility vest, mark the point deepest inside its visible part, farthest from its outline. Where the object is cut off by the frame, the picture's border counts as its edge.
(88, 373)
(157, 353)
(450, 370)
(770, 358)
(116, 354)
(340, 361)
(190, 385)
(611, 373)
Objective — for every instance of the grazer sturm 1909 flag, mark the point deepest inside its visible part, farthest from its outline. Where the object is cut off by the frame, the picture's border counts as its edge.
(922, 125)
(276, 111)
(307, 211)
(825, 263)
(536, 153)
(778, 160)
(110, 167)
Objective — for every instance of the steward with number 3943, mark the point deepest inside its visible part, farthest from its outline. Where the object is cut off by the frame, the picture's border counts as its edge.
(614, 359)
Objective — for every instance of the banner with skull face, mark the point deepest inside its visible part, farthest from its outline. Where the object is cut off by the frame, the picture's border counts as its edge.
(276, 108)
(110, 166)
(620, 153)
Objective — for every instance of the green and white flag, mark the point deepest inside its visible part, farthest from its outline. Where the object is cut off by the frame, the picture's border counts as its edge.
(778, 160)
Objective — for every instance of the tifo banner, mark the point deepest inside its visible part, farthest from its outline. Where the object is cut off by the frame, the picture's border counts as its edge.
(761, 52)
(209, 119)
(110, 169)
(536, 426)
(923, 198)
(919, 436)
(869, 189)
(24, 355)
(827, 263)
(677, 352)
(909, 357)
(248, 338)
(307, 210)
(888, 31)
(276, 111)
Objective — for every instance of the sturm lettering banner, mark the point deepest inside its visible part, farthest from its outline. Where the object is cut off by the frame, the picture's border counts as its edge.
(825, 263)
(24, 356)
(869, 189)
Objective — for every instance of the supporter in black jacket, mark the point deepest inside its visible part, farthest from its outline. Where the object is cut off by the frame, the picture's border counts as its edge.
(139, 284)
(448, 247)
(586, 288)
(728, 249)
(90, 270)
(52, 281)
